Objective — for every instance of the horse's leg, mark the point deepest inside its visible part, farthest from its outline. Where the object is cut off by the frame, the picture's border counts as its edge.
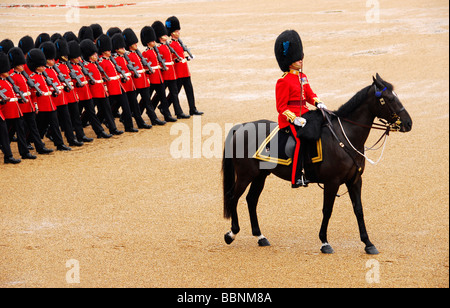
(354, 189)
(239, 189)
(329, 195)
(252, 200)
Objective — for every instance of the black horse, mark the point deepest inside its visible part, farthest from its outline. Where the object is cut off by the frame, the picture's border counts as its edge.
(342, 147)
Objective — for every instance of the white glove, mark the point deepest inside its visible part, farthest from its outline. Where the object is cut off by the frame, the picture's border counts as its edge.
(321, 106)
(299, 121)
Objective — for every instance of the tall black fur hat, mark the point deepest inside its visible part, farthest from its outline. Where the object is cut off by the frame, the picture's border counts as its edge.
(117, 41)
(6, 45)
(288, 49)
(147, 35)
(35, 59)
(16, 57)
(26, 43)
(49, 50)
(160, 29)
(5, 66)
(104, 43)
(97, 30)
(172, 24)
(130, 37)
(70, 36)
(87, 49)
(43, 37)
(62, 49)
(55, 37)
(113, 30)
(74, 49)
(85, 33)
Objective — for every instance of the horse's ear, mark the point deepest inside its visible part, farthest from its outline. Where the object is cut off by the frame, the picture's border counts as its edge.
(379, 78)
(374, 80)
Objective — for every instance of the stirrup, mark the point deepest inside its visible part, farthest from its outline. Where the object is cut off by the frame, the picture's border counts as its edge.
(301, 182)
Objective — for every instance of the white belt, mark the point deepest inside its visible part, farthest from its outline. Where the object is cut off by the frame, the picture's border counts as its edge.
(114, 78)
(169, 63)
(141, 71)
(128, 74)
(13, 99)
(99, 81)
(47, 93)
(60, 87)
(84, 82)
(25, 94)
(156, 67)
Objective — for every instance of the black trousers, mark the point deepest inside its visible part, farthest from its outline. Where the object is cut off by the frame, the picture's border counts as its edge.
(88, 106)
(134, 107)
(146, 104)
(45, 119)
(160, 97)
(122, 101)
(104, 113)
(186, 83)
(172, 98)
(31, 130)
(17, 125)
(4, 140)
(65, 122)
(74, 112)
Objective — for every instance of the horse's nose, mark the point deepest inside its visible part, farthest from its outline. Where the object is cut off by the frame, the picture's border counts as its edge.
(407, 125)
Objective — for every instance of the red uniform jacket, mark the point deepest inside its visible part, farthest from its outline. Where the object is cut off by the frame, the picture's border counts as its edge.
(114, 85)
(167, 56)
(61, 98)
(150, 55)
(128, 86)
(289, 103)
(11, 109)
(71, 96)
(98, 90)
(143, 81)
(45, 102)
(21, 82)
(181, 68)
(84, 93)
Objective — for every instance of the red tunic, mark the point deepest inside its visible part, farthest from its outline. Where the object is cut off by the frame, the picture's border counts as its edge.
(288, 92)
(167, 56)
(61, 98)
(181, 68)
(21, 82)
(151, 57)
(114, 85)
(143, 81)
(11, 109)
(83, 93)
(71, 96)
(45, 102)
(98, 90)
(128, 86)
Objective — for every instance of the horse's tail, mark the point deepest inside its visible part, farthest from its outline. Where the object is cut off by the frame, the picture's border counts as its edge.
(228, 174)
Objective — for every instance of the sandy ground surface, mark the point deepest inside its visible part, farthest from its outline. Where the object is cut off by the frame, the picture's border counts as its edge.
(132, 214)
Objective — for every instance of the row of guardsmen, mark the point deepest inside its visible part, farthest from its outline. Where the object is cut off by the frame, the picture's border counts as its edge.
(55, 83)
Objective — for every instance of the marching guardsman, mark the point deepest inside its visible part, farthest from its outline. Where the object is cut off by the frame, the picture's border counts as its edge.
(62, 87)
(181, 66)
(118, 56)
(169, 75)
(28, 109)
(148, 39)
(84, 93)
(292, 93)
(141, 80)
(26, 43)
(10, 110)
(97, 85)
(117, 94)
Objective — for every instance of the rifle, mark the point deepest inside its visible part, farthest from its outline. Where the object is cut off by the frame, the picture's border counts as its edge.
(145, 62)
(185, 48)
(32, 84)
(86, 72)
(160, 59)
(73, 74)
(131, 66)
(102, 71)
(50, 82)
(124, 77)
(63, 79)
(174, 52)
(17, 90)
(3, 97)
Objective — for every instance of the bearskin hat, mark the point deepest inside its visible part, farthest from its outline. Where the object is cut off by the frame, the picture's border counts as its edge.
(16, 57)
(160, 29)
(87, 49)
(55, 37)
(74, 49)
(43, 37)
(6, 45)
(97, 30)
(104, 43)
(49, 50)
(117, 41)
(147, 35)
(172, 24)
(35, 59)
(4, 63)
(85, 33)
(26, 43)
(62, 49)
(113, 30)
(70, 36)
(130, 37)
(288, 49)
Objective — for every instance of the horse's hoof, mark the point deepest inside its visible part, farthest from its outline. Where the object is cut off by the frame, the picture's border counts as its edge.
(326, 248)
(228, 238)
(263, 242)
(371, 250)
